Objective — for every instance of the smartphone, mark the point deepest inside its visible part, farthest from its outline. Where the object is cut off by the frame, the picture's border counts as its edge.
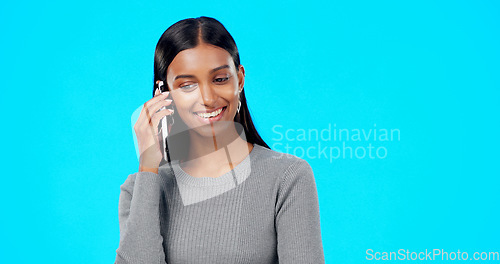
(165, 124)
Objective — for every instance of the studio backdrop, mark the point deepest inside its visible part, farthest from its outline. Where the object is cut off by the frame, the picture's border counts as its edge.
(394, 104)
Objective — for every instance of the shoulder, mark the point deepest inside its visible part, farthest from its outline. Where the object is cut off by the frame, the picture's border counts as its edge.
(269, 155)
(284, 165)
(295, 184)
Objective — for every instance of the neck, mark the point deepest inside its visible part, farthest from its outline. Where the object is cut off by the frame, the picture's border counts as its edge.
(217, 151)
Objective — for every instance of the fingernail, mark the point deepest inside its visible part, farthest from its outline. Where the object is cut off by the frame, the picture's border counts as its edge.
(168, 100)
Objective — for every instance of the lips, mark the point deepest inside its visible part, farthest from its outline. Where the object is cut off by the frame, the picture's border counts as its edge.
(214, 115)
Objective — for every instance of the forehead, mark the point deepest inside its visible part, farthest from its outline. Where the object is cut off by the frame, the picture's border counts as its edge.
(200, 59)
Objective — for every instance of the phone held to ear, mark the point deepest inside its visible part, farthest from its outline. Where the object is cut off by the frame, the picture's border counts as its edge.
(165, 123)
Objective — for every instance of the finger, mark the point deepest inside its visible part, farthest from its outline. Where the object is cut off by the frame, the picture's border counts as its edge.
(161, 105)
(155, 119)
(145, 107)
(146, 111)
(157, 98)
(142, 117)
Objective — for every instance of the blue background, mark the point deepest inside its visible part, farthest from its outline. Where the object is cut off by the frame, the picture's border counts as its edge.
(73, 72)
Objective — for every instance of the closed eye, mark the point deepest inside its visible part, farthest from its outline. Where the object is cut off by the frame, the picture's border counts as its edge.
(189, 86)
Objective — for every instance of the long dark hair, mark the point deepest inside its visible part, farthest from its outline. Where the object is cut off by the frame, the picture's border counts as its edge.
(186, 34)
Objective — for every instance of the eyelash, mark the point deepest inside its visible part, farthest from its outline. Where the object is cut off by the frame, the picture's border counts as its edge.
(223, 80)
(188, 86)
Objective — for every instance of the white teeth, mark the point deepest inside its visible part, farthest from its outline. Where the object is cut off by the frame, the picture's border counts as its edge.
(212, 114)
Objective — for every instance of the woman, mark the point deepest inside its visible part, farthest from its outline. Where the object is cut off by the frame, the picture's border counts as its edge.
(223, 196)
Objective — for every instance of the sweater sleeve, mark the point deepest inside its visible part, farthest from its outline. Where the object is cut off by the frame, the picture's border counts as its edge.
(297, 217)
(139, 217)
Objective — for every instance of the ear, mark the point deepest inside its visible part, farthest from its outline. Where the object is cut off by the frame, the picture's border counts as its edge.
(241, 77)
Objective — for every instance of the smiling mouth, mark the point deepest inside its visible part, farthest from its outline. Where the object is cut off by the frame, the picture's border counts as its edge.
(212, 114)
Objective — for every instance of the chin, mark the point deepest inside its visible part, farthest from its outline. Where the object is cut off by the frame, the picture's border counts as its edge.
(219, 129)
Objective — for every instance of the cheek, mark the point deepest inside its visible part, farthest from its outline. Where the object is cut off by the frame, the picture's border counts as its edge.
(229, 93)
(182, 101)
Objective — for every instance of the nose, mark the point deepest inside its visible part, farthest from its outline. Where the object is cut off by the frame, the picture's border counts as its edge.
(208, 95)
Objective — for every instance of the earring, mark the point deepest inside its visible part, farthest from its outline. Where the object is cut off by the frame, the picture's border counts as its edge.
(239, 106)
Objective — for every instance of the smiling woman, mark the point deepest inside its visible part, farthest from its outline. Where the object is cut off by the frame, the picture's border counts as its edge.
(221, 195)
(205, 72)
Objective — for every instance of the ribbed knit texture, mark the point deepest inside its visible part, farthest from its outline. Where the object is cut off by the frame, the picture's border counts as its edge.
(263, 211)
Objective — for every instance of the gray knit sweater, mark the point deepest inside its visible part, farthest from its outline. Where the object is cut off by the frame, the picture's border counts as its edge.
(263, 211)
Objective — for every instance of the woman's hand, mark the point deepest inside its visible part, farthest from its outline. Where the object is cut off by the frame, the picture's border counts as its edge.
(146, 131)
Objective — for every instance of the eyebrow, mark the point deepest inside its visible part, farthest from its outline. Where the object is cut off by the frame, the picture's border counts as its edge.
(220, 67)
(211, 71)
(183, 76)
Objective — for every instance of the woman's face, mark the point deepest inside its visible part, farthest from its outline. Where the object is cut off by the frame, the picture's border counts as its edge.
(204, 85)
